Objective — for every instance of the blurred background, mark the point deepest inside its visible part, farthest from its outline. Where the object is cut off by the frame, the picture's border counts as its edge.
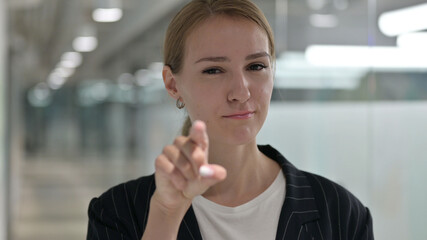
(83, 107)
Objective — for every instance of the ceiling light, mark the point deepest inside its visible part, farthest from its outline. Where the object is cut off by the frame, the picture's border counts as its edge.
(55, 81)
(107, 14)
(71, 60)
(365, 56)
(85, 44)
(156, 69)
(323, 20)
(404, 20)
(143, 77)
(416, 41)
(64, 72)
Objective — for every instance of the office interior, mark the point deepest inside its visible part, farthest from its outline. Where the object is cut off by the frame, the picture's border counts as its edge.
(83, 105)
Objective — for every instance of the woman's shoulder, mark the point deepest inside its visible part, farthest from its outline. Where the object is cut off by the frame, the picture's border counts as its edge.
(132, 188)
(339, 208)
(330, 192)
(127, 193)
(123, 207)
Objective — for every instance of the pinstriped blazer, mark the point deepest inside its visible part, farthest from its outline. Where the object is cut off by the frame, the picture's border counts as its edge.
(314, 208)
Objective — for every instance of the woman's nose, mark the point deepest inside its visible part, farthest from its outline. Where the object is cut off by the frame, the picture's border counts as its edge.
(239, 90)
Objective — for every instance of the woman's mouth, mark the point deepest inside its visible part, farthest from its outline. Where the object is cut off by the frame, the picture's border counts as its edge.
(240, 115)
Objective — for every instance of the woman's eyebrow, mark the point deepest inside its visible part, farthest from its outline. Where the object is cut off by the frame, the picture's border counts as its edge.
(226, 59)
(214, 59)
(257, 55)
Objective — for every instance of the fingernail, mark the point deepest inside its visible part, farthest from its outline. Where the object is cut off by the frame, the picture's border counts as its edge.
(206, 171)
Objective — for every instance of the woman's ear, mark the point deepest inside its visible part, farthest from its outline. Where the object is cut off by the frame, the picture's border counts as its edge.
(170, 82)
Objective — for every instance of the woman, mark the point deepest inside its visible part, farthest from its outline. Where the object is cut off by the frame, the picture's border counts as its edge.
(215, 182)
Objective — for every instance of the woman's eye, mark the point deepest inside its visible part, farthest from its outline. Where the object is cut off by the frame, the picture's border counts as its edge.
(212, 71)
(257, 67)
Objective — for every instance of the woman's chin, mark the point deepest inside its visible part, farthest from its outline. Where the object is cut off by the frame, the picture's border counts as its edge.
(237, 137)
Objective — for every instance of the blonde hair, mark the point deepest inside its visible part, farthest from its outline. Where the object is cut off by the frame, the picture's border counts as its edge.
(193, 14)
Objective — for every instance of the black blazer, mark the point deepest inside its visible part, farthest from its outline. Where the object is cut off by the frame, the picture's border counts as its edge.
(314, 208)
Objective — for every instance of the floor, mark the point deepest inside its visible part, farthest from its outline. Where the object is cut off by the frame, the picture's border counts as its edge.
(53, 194)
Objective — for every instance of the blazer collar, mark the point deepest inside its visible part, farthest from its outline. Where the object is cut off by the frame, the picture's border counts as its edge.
(300, 205)
(298, 208)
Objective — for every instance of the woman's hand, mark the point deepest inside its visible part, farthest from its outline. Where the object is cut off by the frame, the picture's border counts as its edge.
(178, 178)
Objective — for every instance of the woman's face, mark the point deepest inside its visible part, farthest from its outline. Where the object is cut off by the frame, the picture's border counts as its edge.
(227, 78)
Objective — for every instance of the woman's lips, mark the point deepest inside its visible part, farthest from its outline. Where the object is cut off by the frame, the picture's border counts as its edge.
(240, 115)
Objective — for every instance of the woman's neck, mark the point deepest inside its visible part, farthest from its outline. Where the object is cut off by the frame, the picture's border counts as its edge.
(249, 173)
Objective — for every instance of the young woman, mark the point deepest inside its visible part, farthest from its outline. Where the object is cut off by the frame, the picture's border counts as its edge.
(215, 182)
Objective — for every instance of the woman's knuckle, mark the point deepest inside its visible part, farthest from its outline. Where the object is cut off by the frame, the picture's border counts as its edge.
(198, 155)
(166, 149)
(159, 162)
(179, 140)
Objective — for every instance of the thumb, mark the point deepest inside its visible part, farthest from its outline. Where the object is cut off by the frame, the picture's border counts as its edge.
(212, 174)
(199, 135)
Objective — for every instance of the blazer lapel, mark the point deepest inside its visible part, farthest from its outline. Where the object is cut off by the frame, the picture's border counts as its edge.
(299, 206)
(189, 229)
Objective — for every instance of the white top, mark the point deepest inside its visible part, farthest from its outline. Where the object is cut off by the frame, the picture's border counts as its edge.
(256, 219)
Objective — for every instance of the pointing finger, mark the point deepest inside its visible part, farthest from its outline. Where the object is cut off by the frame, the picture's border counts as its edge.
(199, 135)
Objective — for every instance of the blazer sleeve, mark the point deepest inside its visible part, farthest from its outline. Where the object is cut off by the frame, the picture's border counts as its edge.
(366, 228)
(121, 212)
(342, 215)
(104, 224)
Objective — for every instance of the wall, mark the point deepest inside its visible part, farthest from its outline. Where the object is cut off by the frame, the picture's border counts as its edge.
(376, 150)
(3, 107)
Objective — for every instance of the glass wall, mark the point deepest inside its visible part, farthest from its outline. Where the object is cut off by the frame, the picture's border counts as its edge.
(349, 103)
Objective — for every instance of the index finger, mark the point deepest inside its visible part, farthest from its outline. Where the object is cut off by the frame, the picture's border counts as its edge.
(199, 135)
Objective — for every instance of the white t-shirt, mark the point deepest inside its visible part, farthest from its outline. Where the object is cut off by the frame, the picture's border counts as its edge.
(256, 219)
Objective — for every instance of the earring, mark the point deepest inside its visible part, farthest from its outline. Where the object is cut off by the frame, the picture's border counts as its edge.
(179, 104)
